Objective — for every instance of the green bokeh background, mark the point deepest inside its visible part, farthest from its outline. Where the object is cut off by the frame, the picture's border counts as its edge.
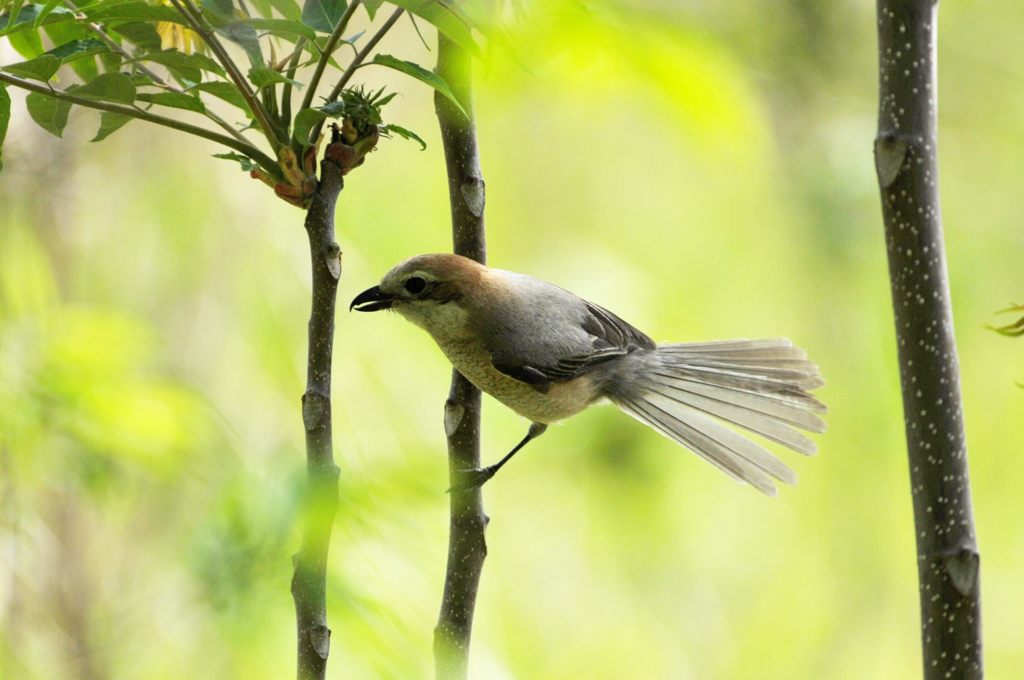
(704, 170)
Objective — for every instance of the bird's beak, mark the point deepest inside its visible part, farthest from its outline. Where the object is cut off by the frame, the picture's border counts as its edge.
(371, 300)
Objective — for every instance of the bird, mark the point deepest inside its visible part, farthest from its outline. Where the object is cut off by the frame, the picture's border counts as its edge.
(548, 354)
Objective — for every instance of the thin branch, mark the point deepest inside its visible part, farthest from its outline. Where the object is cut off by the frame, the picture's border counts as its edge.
(196, 22)
(246, 148)
(286, 91)
(309, 581)
(356, 62)
(363, 53)
(467, 546)
(325, 56)
(906, 152)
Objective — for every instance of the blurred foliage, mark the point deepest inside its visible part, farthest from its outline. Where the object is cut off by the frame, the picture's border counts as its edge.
(1014, 329)
(702, 169)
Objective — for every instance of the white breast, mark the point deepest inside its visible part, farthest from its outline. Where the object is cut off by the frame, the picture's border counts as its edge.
(561, 401)
(447, 325)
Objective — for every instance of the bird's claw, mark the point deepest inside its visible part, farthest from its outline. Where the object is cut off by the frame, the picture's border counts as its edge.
(472, 478)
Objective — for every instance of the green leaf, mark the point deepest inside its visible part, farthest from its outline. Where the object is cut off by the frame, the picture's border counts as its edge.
(71, 32)
(403, 133)
(27, 43)
(48, 113)
(262, 77)
(177, 100)
(244, 36)
(27, 17)
(421, 74)
(223, 9)
(41, 68)
(282, 27)
(141, 34)
(246, 162)
(77, 49)
(5, 117)
(86, 69)
(112, 87)
(305, 121)
(262, 8)
(323, 15)
(124, 12)
(173, 59)
(44, 11)
(289, 9)
(444, 19)
(224, 91)
(109, 124)
(15, 6)
(372, 6)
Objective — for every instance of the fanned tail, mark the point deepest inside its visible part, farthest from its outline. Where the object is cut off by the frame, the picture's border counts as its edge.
(760, 385)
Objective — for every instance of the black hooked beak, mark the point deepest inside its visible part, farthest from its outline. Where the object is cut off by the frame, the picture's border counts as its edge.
(371, 300)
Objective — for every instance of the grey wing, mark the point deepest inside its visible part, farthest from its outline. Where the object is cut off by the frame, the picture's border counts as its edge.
(564, 342)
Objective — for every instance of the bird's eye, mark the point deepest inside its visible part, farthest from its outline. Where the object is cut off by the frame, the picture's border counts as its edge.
(415, 285)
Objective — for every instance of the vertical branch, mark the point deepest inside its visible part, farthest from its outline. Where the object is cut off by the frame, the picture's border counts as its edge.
(309, 582)
(467, 547)
(905, 158)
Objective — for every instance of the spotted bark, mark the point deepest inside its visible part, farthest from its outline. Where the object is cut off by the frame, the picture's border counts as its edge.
(905, 159)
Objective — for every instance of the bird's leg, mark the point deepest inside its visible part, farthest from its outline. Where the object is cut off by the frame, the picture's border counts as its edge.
(477, 476)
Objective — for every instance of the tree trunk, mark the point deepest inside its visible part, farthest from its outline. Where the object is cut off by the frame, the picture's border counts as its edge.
(467, 546)
(905, 158)
(309, 582)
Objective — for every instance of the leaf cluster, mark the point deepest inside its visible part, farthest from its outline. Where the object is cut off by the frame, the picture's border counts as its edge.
(177, 62)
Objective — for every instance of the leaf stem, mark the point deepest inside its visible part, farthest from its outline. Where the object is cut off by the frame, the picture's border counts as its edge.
(269, 164)
(286, 89)
(356, 62)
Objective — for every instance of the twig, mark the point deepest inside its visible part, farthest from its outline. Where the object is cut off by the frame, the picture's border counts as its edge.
(906, 161)
(246, 148)
(356, 62)
(325, 56)
(467, 546)
(286, 90)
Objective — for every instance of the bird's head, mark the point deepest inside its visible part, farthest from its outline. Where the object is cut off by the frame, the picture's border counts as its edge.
(425, 289)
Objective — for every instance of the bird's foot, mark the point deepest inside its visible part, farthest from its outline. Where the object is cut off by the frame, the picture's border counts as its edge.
(472, 478)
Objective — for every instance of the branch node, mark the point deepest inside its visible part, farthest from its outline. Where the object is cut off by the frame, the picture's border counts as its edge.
(962, 566)
(453, 413)
(473, 193)
(320, 639)
(332, 258)
(890, 152)
(314, 408)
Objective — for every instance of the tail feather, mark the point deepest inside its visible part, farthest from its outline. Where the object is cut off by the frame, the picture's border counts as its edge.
(743, 388)
(760, 385)
(795, 414)
(768, 427)
(738, 346)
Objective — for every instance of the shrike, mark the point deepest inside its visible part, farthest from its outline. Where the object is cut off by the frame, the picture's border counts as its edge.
(548, 354)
